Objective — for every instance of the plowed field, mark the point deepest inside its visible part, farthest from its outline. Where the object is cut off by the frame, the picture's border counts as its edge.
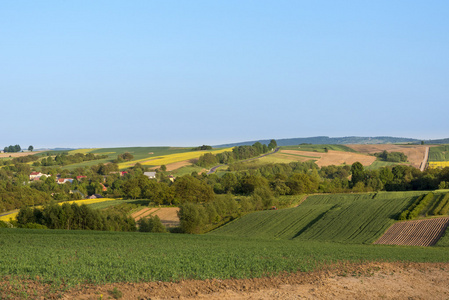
(415, 233)
(330, 158)
(168, 215)
(414, 153)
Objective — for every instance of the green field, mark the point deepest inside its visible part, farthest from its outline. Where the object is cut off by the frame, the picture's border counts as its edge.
(318, 148)
(343, 218)
(77, 257)
(439, 153)
(137, 152)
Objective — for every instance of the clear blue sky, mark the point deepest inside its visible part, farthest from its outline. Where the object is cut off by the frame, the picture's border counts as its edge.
(183, 73)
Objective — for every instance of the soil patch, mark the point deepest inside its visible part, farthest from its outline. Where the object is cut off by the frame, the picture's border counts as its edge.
(415, 153)
(331, 158)
(169, 216)
(18, 154)
(342, 281)
(415, 233)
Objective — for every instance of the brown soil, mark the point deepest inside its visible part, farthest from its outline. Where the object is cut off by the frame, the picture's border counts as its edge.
(332, 157)
(415, 233)
(415, 153)
(169, 216)
(343, 281)
(18, 154)
(177, 165)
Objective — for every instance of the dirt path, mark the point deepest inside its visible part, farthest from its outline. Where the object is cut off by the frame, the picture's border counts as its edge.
(424, 162)
(346, 281)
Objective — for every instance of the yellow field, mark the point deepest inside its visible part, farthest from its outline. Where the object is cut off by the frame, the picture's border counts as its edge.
(169, 159)
(14, 213)
(438, 164)
(83, 151)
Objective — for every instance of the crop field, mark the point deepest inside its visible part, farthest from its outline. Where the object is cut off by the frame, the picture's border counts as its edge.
(415, 233)
(344, 218)
(415, 153)
(170, 159)
(438, 164)
(139, 153)
(331, 157)
(69, 258)
(439, 153)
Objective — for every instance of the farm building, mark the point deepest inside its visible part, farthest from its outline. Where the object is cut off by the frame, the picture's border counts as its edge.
(150, 175)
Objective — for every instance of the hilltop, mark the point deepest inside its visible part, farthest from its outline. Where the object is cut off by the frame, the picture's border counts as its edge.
(341, 141)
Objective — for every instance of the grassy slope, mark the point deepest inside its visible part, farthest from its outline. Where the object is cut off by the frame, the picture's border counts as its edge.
(347, 218)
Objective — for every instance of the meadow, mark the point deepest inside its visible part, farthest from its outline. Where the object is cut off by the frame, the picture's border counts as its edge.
(439, 153)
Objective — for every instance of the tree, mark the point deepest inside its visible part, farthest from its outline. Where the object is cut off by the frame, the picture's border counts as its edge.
(358, 173)
(30, 148)
(272, 144)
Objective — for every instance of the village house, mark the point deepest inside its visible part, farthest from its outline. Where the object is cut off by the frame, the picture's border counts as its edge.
(64, 180)
(150, 175)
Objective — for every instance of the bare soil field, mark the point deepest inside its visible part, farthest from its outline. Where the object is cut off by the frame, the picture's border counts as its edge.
(168, 215)
(143, 213)
(330, 158)
(415, 233)
(415, 153)
(343, 281)
(18, 154)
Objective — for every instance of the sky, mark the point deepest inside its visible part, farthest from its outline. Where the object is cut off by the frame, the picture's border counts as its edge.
(88, 74)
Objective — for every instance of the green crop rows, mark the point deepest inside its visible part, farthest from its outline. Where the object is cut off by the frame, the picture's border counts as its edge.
(76, 257)
(439, 153)
(345, 218)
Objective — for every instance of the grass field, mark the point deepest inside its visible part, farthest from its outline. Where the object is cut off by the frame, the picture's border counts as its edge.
(76, 257)
(343, 218)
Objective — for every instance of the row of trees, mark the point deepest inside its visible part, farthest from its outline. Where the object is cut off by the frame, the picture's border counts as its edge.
(64, 159)
(74, 217)
(16, 148)
(237, 153)
(391, 156)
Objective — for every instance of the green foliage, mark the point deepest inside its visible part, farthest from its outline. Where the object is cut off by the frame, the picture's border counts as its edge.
(73, 217)
(203, 147)
(152, 224)
(391, 156)
(417, 207)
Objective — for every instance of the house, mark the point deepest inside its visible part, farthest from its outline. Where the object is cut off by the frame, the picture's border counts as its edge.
(123, 173)
(64, 180)
(103, 188)
(150, 175)
(35, 175)
(171, 178)
(80, 177)
(95, 196)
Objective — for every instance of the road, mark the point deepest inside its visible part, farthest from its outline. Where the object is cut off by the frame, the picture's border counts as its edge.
(213, 169)
(424, 162)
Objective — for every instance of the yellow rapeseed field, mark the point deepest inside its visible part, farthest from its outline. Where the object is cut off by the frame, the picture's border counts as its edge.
(83, 151)
(14, 213)
(438, 164)
(170, 159)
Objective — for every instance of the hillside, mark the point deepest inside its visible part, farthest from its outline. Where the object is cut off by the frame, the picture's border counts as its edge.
(346, 218)
(340, 141)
